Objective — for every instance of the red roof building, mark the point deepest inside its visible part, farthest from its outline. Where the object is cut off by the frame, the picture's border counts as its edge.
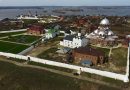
(36, 30)
(87, 53)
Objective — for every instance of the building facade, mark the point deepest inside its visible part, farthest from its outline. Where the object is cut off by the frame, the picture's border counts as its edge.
(87, 53)
(51, 33)
(74, 41)
(35, 30)
(103, 35)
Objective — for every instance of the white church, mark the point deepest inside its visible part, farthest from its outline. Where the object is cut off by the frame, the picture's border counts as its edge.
(74, 41)
(103, 36)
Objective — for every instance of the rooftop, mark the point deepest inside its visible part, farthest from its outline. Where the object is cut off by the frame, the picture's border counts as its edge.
(52, 30)
(89, 51)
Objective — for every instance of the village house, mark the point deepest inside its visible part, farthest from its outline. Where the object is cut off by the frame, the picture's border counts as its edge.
(51, 33)
(35, 30)
(87, 53)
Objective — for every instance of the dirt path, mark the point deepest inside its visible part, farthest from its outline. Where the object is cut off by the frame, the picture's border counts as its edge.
(36, 51)
(14, 42)
(41, 48)
(110, 52)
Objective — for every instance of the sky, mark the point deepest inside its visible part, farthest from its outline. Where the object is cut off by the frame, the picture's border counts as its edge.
(64, 2)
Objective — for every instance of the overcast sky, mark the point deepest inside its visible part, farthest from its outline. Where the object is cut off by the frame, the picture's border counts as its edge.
(64, 2)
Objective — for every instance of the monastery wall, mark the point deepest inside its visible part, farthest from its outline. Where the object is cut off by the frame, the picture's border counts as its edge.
(74, 67)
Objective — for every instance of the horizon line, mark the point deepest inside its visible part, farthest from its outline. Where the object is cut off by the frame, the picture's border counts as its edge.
(68, 6)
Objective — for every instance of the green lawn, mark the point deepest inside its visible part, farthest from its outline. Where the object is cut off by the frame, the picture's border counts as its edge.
(119, 57)
(11, 47)
(18, 78)
(12, 33)
(22, 39)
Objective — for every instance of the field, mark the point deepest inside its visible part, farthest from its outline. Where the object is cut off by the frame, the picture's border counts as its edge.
(26, 39)
(11, 47)
(121, 30)
(13, 77)
(119, 59)
(51, 54)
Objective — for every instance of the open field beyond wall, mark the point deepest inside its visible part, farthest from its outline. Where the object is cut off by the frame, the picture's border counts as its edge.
(18, 78)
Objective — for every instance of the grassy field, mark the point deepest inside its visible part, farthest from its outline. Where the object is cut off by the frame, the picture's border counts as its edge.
(120, 29)
(11, 47)
(12, 33)
(22, 39)
(119, 58)
(51, 54)
(13, 77)
(45, 54)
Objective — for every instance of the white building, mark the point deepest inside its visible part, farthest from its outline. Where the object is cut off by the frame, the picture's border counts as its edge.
(51, 33)
(28, 17)
(103, 34)
(73, 41)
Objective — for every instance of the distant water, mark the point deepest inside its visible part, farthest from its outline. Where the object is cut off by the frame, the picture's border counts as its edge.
(12, 12)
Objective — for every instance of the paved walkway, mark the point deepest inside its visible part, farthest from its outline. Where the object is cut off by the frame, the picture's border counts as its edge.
(110, 52)
(14, 42)
(61, 73)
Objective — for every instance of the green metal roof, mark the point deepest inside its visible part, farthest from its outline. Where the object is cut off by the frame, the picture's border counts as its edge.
(52, 30)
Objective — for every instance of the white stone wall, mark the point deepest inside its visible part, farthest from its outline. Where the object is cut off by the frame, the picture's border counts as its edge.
(74, 67)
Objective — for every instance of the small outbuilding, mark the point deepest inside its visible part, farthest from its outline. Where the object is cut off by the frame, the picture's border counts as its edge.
(51, 33)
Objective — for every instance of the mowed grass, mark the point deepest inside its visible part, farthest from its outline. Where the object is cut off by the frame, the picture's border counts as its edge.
(19, 78)
(12, 33)
(11, 47)
(119, 57)
(26, 39)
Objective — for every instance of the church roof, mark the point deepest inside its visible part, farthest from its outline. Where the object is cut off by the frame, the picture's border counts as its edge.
(52, 30)
(89, 51)
(105, 21)
(69, 37)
